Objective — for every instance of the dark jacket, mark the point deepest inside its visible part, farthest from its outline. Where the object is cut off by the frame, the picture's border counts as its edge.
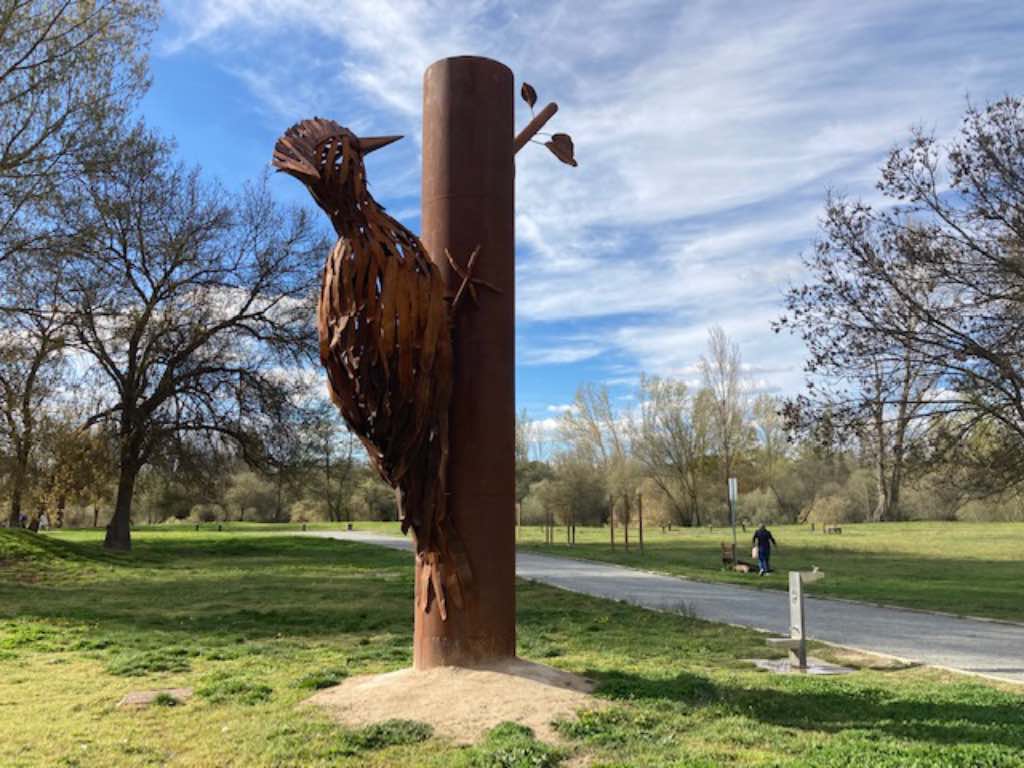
(764, 539)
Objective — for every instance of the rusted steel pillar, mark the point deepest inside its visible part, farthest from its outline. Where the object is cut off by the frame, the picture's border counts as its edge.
(468, 201)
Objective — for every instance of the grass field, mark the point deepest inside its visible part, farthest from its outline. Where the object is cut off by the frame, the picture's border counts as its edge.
(972, 569)
(256, 622)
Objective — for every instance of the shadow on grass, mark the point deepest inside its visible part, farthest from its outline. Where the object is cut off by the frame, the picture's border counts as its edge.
(212, 593)
(832, 706)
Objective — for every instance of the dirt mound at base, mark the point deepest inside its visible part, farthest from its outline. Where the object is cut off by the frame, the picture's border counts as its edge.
(462, 704)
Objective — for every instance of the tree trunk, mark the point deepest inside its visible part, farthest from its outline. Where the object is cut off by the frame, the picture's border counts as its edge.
(611, 520)
(882, 508)
(18, 482)
(894, 491)
(278, 513)
(626, 514)
(14, 521)
(119, 528)
(640, 518)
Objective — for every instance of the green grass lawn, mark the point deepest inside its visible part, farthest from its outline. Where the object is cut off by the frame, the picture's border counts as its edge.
(256, 622)
(964, 568)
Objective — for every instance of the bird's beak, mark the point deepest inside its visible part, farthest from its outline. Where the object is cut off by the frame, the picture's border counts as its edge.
(368, 144)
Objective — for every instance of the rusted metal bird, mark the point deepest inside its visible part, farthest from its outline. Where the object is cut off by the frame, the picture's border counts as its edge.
(385, 321)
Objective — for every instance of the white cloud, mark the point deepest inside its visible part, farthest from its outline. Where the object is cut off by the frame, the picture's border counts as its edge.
(707, 135)
(562, 354)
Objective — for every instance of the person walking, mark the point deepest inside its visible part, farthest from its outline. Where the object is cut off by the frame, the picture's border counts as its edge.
(44, 522)
(764, 540)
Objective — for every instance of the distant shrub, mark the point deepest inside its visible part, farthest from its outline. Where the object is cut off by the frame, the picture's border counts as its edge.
(827, 510)
(1007, 508)
(207, 513)
(758, 506)
(308, 511)
(372, 500)
(254, 498)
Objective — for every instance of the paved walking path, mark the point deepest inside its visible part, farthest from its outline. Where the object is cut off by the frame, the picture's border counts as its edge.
(989, 648)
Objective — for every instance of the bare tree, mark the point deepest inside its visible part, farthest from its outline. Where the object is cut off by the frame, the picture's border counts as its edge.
(934, 285)
(33, 326)
(597, 433)
(191, 305)
(69, 73)
(671, 439)
(872, 386)
(331, 448)
(524, 436)
(722, 371)
(772, 436)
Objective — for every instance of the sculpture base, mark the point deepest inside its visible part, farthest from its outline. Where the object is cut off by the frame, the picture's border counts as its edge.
(462, 704)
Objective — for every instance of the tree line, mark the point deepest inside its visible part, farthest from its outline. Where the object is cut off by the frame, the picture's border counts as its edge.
(156, 343)
(154, 328)
(912, 312)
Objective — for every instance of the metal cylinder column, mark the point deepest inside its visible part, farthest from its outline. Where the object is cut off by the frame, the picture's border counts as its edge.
(468, 201)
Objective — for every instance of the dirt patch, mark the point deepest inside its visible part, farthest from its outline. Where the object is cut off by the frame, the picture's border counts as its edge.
(866, 660)
(462, 704)
(163, 697)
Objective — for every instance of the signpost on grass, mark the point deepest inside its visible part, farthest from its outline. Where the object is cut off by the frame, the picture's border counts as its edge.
(733, 495)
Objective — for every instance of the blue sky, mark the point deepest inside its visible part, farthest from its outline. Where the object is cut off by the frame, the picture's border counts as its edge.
(707, 135)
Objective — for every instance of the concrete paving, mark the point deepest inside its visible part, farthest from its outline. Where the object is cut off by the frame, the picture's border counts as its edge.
(988, 648)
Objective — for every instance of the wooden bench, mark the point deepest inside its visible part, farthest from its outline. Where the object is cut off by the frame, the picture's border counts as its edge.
(833, 529)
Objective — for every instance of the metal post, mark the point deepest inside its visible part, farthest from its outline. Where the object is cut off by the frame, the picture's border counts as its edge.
(625, 521)
(468, 201)
(640, 518)
(798, 654)
(611, 519)
(733, 493)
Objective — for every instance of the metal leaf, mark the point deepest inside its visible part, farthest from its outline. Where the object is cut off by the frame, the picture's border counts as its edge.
(561, 147)
(529, 94)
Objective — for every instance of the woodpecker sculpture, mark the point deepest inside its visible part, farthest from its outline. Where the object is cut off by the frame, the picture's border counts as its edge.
(384, 322)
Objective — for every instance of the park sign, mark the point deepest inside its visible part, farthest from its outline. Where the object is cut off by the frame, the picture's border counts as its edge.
(733, 496)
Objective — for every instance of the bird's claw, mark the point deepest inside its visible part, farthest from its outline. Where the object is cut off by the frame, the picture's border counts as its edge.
(469, 282)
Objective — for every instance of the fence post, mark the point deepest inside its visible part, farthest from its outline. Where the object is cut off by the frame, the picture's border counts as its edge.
(640, 518)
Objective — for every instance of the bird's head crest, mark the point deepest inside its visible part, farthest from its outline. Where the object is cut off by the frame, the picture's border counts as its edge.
(312, 148)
